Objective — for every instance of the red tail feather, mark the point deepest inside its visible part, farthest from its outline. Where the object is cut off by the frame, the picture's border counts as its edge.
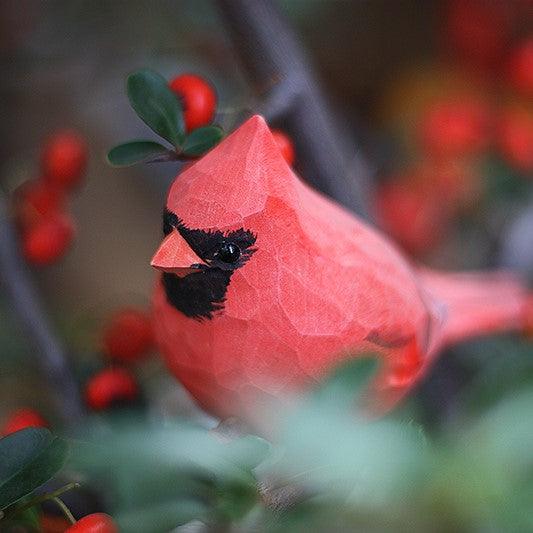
(479, 303)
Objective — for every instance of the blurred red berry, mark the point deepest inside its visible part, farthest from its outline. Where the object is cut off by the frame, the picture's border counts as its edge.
(477, 31)
(520, 67)
(285, 145)
(22, 419)
(110, 386)
(64, 159)
(53, 524)
(515, 139)
(48, 239)
(451, 129)
(412, 215)
(35, 199)
(94, 523)
(128, 336)
(528, 319)
(198, 98)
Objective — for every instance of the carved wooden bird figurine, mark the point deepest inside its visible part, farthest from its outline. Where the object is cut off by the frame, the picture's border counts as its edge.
(266, 285)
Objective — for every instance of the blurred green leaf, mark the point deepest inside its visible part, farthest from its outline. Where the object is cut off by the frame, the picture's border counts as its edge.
(347, 382)
(175, 463)
(30, 518)
(162, 517)
(249, 451)
(154, 102)
(201, 140)
(28, 458)
(133, 152)
(236, 496)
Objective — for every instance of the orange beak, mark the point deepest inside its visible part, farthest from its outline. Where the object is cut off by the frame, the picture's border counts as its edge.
(176, 256)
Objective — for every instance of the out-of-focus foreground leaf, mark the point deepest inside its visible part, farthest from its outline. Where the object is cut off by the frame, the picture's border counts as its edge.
(28, 458)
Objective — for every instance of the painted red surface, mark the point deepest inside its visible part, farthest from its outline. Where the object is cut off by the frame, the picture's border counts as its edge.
(322, 286)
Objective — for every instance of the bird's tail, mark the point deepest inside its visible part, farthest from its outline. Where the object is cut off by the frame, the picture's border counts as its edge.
(479, 303)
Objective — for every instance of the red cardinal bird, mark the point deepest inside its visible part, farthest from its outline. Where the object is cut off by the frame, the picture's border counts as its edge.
(267, 285)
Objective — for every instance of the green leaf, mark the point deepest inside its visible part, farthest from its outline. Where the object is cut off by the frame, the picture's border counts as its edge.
(201, 140)
(154, 102)
(28, 458)
(133, 152)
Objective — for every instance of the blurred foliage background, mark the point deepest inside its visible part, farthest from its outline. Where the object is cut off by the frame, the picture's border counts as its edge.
(457, 456)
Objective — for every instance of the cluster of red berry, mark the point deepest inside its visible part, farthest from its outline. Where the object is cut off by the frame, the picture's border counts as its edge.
(491, 39)
(127, 339)
(46, 227)
(199, 104)
(456, 116)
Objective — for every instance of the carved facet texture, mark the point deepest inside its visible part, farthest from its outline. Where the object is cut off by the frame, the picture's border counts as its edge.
(321, 286)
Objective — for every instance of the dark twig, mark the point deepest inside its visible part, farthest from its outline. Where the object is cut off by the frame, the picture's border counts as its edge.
(15, 278)
(274, 59)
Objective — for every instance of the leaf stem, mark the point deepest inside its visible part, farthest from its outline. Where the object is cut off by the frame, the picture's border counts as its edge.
(40, 499)
(65, 509)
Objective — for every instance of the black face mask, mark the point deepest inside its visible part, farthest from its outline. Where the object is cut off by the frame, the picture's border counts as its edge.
(201, 294)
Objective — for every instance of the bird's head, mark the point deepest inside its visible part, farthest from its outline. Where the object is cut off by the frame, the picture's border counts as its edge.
(214, 214)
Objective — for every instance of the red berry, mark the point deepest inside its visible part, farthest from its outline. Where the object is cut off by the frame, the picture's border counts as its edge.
(128, 336)
(94, 523)
(48, 239)
(455, 128)
(64, 159)
(528, 318)
(22, 419)
(412, 214)
(515, 139)
(198, 98)
(36, 199)
(285, 145)
(520, 67)
(478, 30)
(109, 386)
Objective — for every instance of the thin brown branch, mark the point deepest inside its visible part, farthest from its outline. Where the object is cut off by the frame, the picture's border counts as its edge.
(26, 305)
(327, 153)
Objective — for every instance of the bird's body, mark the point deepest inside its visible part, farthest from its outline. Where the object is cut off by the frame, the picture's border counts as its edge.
(313, 285)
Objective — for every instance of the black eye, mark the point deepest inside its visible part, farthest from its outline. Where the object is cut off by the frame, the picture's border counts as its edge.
(228, 252)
